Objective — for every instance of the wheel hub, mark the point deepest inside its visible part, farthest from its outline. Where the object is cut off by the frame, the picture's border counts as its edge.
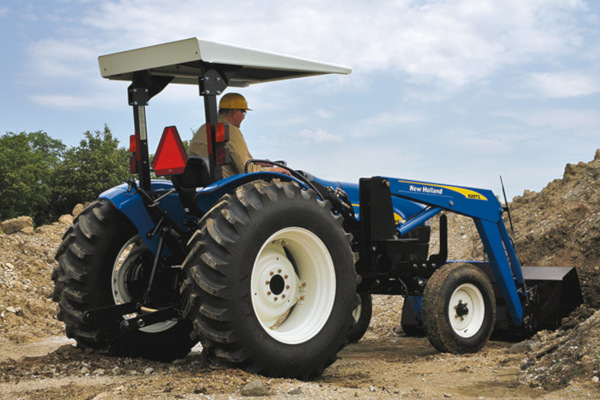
(293, 285)
(277, 284)
(461, 309)
(281, 289)
(466, 310)
(129, 280)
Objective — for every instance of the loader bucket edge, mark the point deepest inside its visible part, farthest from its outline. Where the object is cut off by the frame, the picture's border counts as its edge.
(557, 294)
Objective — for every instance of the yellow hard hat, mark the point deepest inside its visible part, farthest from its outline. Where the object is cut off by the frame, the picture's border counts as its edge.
(234, 101)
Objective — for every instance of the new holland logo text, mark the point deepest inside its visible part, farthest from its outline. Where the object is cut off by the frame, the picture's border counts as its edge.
(426, 189)
(432, 188)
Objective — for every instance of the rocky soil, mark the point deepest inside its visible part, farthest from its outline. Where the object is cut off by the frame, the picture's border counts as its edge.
(559, 226)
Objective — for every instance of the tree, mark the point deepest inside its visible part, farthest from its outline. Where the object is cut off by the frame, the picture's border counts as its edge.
(87, 170)
(27, 161)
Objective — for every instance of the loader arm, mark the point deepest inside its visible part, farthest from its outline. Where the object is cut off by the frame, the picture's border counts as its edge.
(485, 210)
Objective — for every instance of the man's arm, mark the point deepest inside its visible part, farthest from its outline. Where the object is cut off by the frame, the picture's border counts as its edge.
(240, 154)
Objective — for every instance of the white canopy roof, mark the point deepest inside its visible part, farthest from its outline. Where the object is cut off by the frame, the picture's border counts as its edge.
(186, 60)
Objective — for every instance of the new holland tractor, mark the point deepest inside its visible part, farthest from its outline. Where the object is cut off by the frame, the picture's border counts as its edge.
(274, 273)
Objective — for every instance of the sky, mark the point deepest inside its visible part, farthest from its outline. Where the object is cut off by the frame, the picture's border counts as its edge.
(457, 92)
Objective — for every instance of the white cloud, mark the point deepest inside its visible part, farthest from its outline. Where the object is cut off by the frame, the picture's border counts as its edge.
(320, 136)
(565, 84)
(585, 122)
(65, 101)
(454, 42)
(3, 11)
(68, 59)
(323, 113)
(385, 122)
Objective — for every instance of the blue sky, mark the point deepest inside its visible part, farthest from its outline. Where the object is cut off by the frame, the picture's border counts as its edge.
(456, 91)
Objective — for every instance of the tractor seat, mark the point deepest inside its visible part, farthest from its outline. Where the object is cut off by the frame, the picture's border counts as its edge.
(195, 175)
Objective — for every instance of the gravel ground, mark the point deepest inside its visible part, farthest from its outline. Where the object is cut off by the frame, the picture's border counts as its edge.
(558, 226)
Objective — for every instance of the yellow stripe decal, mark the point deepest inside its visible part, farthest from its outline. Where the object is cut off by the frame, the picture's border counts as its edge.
(429, 188)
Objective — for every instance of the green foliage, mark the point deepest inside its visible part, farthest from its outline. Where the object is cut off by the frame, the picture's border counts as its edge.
(87, 170)
(27, 162)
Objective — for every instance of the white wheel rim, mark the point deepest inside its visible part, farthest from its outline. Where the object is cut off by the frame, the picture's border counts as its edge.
(356, 313)
(466, 310)
(293, 307)
(119, 282)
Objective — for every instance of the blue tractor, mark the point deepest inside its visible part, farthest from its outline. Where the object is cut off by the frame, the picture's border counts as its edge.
(274, 273)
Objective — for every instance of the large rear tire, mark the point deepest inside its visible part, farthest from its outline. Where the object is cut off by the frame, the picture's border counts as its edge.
(271, 282)
(459, 309)
(101, 262)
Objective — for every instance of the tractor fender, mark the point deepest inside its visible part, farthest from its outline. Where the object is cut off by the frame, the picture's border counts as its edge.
(129, 202)
(207, 197)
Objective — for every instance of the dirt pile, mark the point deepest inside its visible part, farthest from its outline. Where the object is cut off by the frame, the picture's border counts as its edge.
(560, 226)
(555, 358)
(27, 311)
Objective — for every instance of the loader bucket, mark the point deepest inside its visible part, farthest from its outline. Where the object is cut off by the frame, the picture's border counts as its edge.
(558, 293)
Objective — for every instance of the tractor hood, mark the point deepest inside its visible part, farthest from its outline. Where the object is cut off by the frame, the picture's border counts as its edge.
(185, 61)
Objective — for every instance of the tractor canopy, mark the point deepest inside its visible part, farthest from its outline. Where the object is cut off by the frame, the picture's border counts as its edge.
(212, 66)
(187, 60)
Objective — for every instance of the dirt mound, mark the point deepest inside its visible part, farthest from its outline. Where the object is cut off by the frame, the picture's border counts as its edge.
(555, 358)
(26, 262)
(560, 226)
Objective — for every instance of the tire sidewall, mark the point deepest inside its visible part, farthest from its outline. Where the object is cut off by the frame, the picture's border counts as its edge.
(436, 303)
(309, 215)
(480, 281)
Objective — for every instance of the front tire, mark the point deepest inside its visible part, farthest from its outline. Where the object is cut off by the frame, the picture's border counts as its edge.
(101, 262)
(459, 309)
(271, 282)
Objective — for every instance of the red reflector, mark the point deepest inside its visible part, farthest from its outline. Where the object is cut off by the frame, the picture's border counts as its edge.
(208, 140)
(133, 144)
(133, 165)
(170, 158)
(220, 156)
(221, 134)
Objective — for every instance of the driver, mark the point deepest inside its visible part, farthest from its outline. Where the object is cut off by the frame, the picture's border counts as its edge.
(232, 109)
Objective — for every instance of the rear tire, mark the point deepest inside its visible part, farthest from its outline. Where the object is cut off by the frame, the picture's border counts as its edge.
(459, 309)
(101, 262)
(271, 282)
